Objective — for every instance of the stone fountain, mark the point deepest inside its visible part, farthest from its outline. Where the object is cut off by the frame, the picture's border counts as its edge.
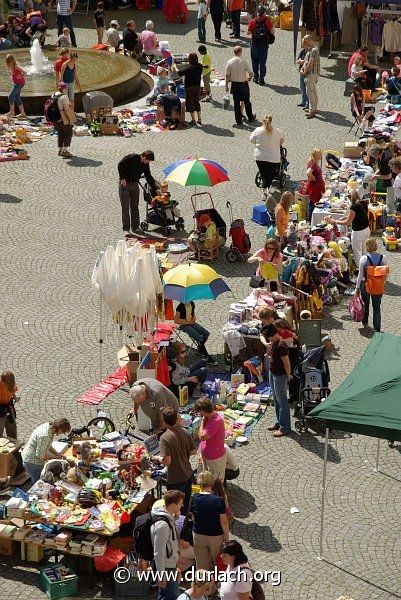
(116, 74)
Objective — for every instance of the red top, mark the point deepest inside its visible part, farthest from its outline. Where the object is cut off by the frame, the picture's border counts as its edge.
(315, 189)
(59, 63)
(18, 76)
(267, 20)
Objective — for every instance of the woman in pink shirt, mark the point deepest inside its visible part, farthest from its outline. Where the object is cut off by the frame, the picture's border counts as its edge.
(212, 436)
(149, 40)
(270, 263)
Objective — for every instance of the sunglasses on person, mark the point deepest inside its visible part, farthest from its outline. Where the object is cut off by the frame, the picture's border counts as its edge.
(271, 247)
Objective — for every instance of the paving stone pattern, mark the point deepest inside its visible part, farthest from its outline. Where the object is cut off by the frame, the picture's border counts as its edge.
(55, 216)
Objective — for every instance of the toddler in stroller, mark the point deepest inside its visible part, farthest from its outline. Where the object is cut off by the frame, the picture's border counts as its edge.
(161, 210)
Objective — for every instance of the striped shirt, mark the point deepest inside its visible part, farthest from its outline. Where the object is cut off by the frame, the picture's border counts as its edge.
(63, 7)
(38, 444)
(312, 56)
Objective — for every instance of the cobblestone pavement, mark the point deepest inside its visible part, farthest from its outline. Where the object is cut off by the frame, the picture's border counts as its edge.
(56, 215)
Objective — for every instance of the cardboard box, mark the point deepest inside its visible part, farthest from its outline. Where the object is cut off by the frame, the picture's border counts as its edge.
(352, 150)
(109, 125)
(8, 463)
(7, 546)
(33, 552)
(130, 357)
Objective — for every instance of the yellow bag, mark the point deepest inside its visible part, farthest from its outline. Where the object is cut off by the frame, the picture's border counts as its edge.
(268, 271)
(317, 301)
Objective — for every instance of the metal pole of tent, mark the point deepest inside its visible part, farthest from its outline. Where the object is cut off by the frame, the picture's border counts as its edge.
(101, 337)
(376, 469)
(326, 447)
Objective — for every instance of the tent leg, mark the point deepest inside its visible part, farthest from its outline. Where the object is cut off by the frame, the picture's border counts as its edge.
(100, 337)
(376, 469)
(326, 447)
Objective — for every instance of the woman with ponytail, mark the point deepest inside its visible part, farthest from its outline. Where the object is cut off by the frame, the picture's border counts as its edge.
(267, 140)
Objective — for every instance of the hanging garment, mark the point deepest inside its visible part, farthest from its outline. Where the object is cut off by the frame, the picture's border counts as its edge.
(309, 15)
(389, 37)
(376, 31)
(340, 10)
(321, 18)
(350, 30)
(332, 22)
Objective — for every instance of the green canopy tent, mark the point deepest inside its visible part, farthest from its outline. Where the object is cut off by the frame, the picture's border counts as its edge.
(368, 401)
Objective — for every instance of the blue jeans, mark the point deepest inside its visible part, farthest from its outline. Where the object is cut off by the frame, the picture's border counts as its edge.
(259, 58)
(15, 95)
(302, 87)
(202, 30)
(376, 302)
(311, 208)
(33, 471)
(186, 488)
(199, 370)
(5, 44)
(171, 591)
(235, 17)
(66, 21)
(196, 332)
(278, 384)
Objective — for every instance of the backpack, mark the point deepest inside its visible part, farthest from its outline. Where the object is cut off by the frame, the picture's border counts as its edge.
(142, 535)
(376, 276)
(260, 34)
(51, 110)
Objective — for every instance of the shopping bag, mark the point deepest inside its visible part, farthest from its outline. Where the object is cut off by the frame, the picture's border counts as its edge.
(226, 101)
(256, 281)
(268, 271)
(356, 309)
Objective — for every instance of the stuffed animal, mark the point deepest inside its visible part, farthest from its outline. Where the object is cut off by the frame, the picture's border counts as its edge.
(54, 470)
(85, 451)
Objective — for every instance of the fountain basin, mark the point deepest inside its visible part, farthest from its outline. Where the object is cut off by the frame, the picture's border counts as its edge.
(116, 74)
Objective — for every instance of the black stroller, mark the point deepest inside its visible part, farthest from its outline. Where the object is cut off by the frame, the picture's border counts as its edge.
(160, 215)
(313, 373)
(281, 173)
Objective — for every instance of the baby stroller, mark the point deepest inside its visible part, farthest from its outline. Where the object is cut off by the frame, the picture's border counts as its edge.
(281, 173)
(161, 215)
(241, 243)
(313, 373)
(23, 40)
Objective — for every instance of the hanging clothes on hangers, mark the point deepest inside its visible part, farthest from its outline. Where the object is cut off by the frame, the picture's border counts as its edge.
(376, 29)
(309, 15)
(321, 18)
(349, 31)
(332, 22)
(391, 36)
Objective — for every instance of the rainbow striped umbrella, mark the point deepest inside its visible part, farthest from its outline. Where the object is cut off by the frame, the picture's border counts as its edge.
(186, 283)
(196, 171)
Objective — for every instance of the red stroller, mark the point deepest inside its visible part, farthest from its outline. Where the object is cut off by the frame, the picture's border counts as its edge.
(241, 243)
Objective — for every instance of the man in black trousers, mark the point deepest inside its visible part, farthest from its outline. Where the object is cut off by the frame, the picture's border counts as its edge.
(130, 169)
(239, 73)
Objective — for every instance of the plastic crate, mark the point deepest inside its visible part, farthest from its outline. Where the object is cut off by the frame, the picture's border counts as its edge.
(58, 589)
(286, 20)
(260, 215)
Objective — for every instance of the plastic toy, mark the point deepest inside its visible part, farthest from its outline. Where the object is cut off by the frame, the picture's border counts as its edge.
(389, 239)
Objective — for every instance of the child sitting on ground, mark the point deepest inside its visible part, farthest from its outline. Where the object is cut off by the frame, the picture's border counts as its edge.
(161, 85)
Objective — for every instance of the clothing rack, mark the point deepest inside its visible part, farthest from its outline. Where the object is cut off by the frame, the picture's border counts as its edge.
(382, 14)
